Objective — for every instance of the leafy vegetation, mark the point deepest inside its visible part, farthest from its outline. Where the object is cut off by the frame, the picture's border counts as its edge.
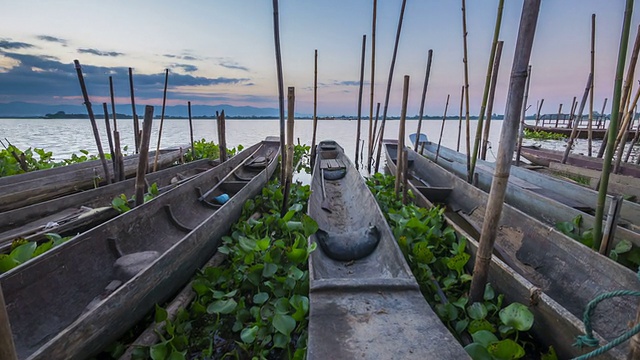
(23, 250)
(121, 203)
(204, 149)
(438, 258)
(542, 135)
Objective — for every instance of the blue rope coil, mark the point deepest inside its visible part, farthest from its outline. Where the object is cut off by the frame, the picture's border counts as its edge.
(589, 340)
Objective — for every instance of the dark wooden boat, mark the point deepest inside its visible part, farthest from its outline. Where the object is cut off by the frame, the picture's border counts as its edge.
(536, 264)
(37, 186)
(364, 300)
(583, 133)
(84, 294)
(544, 157)
(546, 198)
(78, 212)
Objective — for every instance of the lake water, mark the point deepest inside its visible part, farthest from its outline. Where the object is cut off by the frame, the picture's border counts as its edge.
(64, 137)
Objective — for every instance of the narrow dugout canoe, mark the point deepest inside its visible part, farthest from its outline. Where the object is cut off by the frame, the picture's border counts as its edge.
(84, 294)
(537, 265)
(33, 187)
(364, 300)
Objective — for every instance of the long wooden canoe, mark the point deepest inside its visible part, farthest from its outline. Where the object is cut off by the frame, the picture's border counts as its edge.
(548, 199)
(597, 134)
(618, 184)
(544, 157)
(538, 265)
(364, 301)
(78, 212)
(37, 186)
(84, 294)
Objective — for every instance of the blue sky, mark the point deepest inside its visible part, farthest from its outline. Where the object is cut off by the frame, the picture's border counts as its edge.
(222, 51)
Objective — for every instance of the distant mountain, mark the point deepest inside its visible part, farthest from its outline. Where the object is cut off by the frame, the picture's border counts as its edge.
(22, 109)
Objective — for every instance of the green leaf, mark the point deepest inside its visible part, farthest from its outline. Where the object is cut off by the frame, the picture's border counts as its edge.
(247, 244)
(260, 298)
(222, 306)
(477, 311)
(161, 314)
(477, 352)
(461, 325)
(484, 337)
(158, 351)
(269, 270)
(297, 207)
(248, 335)
(422, 253)
(280, 341)
(623, 247)
(518, 316)
(284, 323)
(263, 244)
(458, 262)
(288, 216)
(489, 293)
(506, 349)
(550, 355)
(23, 252)
(7, 263)
(565, 227)
(478, 325)
(309, 226)
(42, 248)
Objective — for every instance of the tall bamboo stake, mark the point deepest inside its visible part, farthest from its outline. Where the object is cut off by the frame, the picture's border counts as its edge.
(613, 126)
(107, 126)
(113, 104)
(7, 347)
(222, 139)
(538, 112)
(593, 61)
(364, 43)
(466, 89)
(572, 113)
(635, 138)
(94, 127)
(559, 113)
(624, 132)
(164, 102)
(574, 131)
(136, 126)
(601, 118)
(389, 81)
(492, 94)
(315, 110)
(375, 125)
(523, 114)
(460, 118)
(401, 133)
(289, 163)
(276, 35)
(144, 154)
(372, 86)
(119, 173)
(444, 117)
(487, 84)
(424, 97)
(493, 211)
(193, 149)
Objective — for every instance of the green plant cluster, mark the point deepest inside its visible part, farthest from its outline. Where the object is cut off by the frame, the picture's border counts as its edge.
(203, 149)
(302, 158)
(122, 204)
(624, 252)
(437, 257)
(23, 250)
(542, 135)
(255, 305)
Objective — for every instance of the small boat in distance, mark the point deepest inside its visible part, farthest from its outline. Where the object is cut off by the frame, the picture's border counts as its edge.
(364, 301)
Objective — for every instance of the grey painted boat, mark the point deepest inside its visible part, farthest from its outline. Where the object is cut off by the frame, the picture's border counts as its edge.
(84, 294)
(37, 186)
(548, 199)
(78, 212)
(536, 265)
(364, 301)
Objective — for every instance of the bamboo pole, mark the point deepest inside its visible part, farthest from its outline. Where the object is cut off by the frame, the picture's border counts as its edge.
(493, 211)
(424, 97)
(315, 110)
(523, 114)
(460, 118)
(107, 126)
(611, 224)
(164, 102)
(113, 104)
(444, 117)
(94, 127)
(601, 118)
(559, 113)
(193, 149)
(492, 94)
(289, 163)
(593, 61)
(375, 126)
(401, 133)
(487, 85)
(405, 175)
(613, 126)
(7, 347)
(364, 44)
(119, 174)
(372, 86)
(136, 125)
(538, 112)
(466, 89)
(635, 138)
(634, 342)
(574, 130)
(222, 142)
(143, 158)
(276, 35)
(390, 80)
(624, 132)
(572, 113)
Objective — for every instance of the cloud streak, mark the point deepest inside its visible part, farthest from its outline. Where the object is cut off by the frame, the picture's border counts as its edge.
(14, 45)
(233, 65)
(99, 52)
(52, 39)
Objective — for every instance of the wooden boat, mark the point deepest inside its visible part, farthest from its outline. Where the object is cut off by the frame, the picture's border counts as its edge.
(544, 157)
(364, 301)
(78, 212)
(548, 199)
(37, 186)
(537, 265)
(84, 294)
(618, 184)
(583, 133)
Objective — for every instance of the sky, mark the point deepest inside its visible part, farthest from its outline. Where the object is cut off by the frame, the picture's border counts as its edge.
(222, 51)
